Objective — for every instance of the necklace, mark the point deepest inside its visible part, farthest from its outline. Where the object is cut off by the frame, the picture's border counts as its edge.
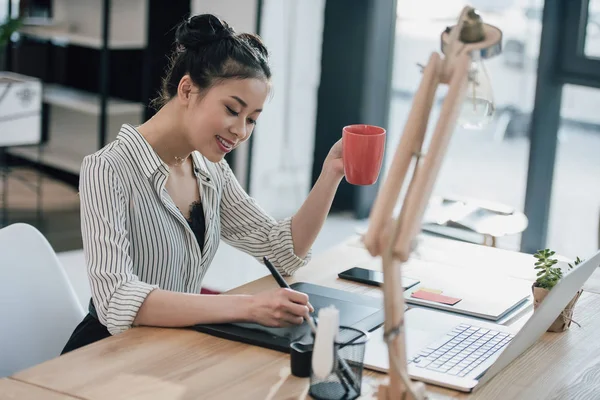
(179, 160)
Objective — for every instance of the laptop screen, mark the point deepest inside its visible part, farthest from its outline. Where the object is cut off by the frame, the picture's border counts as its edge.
(544, 316)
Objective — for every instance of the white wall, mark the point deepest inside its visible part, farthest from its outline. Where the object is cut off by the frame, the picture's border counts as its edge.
(240, 15)
(284, 137)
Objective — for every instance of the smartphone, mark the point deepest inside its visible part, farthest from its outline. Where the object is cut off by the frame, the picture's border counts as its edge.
(371, 277)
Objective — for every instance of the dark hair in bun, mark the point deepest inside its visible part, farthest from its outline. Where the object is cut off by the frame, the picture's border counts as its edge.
(210, 51)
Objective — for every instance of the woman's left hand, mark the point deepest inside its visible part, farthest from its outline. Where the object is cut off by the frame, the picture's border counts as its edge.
(334, 161)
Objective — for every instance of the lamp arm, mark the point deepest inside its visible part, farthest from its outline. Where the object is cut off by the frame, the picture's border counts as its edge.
(410, 143)
(392, 239)
(397, 249)
(418, 197)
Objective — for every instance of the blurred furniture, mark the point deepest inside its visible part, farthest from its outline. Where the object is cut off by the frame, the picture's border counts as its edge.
(472, 220)
(100, 62)
(20, 109)
(20, 125)
(38, 307)
(162, 363)
(34, 183)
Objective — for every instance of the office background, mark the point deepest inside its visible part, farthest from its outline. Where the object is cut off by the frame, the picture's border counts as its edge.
(335, 62)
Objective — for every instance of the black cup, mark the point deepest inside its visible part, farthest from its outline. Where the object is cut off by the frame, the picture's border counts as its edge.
(301, 359)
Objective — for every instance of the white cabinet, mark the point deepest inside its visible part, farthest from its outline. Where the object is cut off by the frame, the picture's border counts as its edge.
(20, 109)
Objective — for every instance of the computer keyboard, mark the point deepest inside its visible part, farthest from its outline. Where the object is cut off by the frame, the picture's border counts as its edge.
(461, 350)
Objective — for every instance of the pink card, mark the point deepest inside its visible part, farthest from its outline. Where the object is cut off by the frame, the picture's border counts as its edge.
(436, 297)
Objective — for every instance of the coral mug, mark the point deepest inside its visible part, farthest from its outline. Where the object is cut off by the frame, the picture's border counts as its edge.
(363, 147)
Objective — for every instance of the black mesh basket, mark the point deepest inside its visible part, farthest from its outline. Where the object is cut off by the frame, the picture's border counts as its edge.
(345, 381)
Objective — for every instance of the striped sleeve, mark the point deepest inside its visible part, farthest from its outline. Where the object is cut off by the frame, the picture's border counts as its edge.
(116, 291)
(246, 226)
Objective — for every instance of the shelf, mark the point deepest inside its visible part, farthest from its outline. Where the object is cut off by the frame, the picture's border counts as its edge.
(72, 136)
(61, 36)
(49, 157)
(86, 102)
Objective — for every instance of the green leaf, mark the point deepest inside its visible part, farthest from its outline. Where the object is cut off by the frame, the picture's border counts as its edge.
(8, 28)
(540, 273)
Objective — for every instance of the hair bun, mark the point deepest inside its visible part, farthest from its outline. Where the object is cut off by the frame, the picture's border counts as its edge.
(201, 30)
(256, 43)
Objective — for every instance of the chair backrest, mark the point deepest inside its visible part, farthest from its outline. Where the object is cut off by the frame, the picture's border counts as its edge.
(38, 307)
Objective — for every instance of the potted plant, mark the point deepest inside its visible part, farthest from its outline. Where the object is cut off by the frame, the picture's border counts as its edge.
(547, 277)
(7, 28)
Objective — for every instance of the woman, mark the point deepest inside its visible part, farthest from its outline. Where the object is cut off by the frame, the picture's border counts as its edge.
(157, 200)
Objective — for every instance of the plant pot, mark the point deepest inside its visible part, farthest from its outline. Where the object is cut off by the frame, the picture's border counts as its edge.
(563, 321)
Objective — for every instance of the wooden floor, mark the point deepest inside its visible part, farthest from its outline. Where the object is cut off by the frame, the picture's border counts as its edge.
(58, 214)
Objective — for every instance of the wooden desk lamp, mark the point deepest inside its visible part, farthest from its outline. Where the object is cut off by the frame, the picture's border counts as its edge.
(392, 239)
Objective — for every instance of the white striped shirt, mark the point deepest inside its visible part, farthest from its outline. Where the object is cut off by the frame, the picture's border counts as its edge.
(135, 239)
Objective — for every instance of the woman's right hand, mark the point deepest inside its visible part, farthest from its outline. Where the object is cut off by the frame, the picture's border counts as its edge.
(279, 308)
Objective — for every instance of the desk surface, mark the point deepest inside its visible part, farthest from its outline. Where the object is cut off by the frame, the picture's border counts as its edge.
(182, 364)
(11, 389)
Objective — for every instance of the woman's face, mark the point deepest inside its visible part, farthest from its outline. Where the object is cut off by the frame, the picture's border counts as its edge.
(218, 120)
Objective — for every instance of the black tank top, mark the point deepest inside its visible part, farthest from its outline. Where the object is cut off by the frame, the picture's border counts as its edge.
(197, 223)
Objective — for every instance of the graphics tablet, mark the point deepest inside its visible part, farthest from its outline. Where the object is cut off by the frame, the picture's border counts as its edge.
(356, 310)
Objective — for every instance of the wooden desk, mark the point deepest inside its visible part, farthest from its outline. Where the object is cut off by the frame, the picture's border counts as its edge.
(183, 364)
(11, 389)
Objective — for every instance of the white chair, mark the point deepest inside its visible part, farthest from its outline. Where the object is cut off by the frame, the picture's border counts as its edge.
(38, 307)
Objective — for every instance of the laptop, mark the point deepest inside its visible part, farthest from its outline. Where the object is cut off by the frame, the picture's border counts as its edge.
(463, 353)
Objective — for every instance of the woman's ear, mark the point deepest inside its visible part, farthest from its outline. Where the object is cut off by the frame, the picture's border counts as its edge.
(185, 89)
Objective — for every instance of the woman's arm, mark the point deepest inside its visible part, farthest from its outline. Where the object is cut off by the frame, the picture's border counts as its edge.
(246, 226)
(121, 299)
(174, 309)
(117, 292)
(308, 221)
(279, 307)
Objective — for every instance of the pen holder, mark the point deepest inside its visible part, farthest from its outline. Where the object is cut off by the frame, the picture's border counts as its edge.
(300, 359)
(345, 380)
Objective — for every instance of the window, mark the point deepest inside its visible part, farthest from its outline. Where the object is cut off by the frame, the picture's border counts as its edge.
(484, 165)
(3, 10)
(592, 32)
(575, 205)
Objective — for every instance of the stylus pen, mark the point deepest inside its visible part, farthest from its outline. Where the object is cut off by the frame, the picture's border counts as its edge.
(347, 372)
(282, 283)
